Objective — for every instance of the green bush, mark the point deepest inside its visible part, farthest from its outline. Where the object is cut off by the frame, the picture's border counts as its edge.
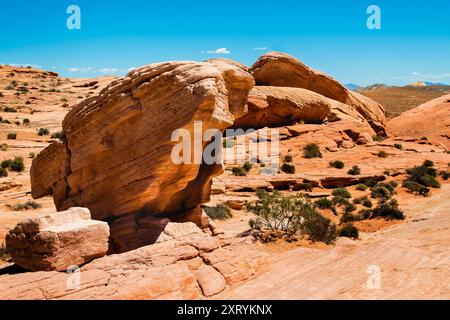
(288, 168)
(337, 164)
(26, 120)
(341, 192)
(12, 136)
(9, 109)
(378, 138)
(349, 231)
(3, 172)
(340, 201)
(247, 166)
(398, 146)
(227, 143)
(348, 217)
(17, 164)
(388, 210)
(29, 205)
(6, 163)
(4, 147)
(380, 192)
(219, 212)
(312, 150)
(370, 182)
(382, 154)
(367, 203)
(238, 171)
(349, 208)
(290, 214)
(287, 158)
(354, 171)
(361, 187)
(323, 203)
(43, 132)
(444, 174)
(421, 178)
(415, 187)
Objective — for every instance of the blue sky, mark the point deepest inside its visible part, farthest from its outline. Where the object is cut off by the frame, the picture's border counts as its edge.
(413, 44)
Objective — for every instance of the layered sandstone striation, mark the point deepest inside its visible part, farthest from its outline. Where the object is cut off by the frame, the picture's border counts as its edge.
(282, 70)
(115, 157)
(58, 241)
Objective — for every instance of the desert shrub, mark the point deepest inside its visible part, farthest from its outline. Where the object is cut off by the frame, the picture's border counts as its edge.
(398, 146)
(378, 138)
(9, 109)
(29, 205)
(349, 231)
(12, 136)
(17, 164)
(312, 150)
(43, 132)
(26, 120)
(323, 203)
(370, 182)
(349, 208)
(287, 158)
(365, 214)
(6, 163)
(341, 192)
(3, 172)
(31, 155)
(388, 210)
(319, 228)
(424, 175)
(218, 212)
(4, 256)
(349, 217)
(394, 184)
(354, 171)
(382, 154)
(337, 164)
(340, 201)
(361, 200)
(424, 138)
(361, 187)
(227, 143)
(238, 171)
(415, 187)
(444, 174)
(288, 168)
(247, 166)
(4, 147)
(367, 203)
(380, 192)
(290, 214)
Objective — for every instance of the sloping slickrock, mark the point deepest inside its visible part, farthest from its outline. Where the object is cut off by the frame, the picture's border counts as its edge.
(431, 119)
(116, 154)
(185, 263)
(282, 70)
(58, 241)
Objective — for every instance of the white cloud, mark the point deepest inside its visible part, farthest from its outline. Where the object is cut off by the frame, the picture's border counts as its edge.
(83, 70)
(260, 48)
(109, 70)
(131, 69)
(219, 51)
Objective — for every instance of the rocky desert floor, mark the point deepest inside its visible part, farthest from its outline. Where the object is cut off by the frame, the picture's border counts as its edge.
(411, 255)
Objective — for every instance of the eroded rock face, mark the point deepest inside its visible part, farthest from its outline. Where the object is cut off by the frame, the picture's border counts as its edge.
(282, 70)
(58, 241)
(278, 106)
(185, 263)
(116, 154)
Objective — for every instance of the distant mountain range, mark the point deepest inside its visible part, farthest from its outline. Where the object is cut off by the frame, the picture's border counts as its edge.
(355, 87)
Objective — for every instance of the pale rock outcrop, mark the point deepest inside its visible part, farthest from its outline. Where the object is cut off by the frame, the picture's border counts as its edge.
(431, 120)
(282, 70)
(115, 158)
(58, 241)
(185, 263)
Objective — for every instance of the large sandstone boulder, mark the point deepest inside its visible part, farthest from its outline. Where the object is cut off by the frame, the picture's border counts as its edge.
(278, 106)
(282, 70)
(115, 158)
(58, 241)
